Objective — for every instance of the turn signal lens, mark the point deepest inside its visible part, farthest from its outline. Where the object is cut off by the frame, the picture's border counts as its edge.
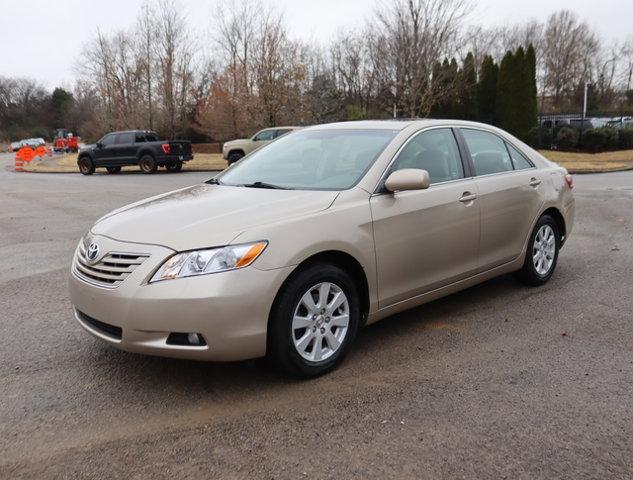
(251, 255)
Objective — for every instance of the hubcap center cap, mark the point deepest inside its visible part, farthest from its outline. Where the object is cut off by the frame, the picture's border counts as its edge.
(319, 320)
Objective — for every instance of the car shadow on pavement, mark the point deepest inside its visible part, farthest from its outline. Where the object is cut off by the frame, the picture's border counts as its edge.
(377, 347)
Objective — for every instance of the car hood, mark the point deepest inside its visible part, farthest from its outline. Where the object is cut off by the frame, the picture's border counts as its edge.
(207, 215)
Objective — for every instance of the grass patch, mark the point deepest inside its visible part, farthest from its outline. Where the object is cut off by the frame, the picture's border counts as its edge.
(576, 162)
(202, 162)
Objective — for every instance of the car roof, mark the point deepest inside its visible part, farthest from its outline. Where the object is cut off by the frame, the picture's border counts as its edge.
(397, 124)
(131, 131)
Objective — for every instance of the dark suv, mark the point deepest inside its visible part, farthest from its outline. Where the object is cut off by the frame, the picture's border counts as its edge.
(134, 147)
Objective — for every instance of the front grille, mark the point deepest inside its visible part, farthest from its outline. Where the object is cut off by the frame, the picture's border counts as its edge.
(108, 272)
(105, 328)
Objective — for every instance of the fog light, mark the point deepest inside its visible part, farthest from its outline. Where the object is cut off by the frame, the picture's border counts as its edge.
(186, 339)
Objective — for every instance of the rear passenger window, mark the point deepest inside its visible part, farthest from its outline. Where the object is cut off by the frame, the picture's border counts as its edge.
(519, 160)
(124, 138)
(488, 152)
(139, 138)
(434, 151)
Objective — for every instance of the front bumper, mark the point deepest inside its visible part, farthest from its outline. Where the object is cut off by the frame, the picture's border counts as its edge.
(229, 309)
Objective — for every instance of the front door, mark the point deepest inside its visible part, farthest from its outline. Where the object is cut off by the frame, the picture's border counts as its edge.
(426, 238)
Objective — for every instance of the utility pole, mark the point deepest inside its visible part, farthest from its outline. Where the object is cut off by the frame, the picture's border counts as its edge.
(584, 105)
(584, 113)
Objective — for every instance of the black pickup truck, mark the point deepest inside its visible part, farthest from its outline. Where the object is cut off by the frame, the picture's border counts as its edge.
(134, 147)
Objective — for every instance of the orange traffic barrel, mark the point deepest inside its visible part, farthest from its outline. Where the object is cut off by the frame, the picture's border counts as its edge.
(19, 164)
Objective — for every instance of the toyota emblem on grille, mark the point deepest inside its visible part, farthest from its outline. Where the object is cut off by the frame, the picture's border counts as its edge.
(93, 252)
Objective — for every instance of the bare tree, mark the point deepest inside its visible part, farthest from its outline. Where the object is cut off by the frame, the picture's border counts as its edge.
(570, 47)
(174, 56)
(412, 36)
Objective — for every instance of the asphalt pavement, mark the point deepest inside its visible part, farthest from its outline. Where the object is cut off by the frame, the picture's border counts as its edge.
(498, 381)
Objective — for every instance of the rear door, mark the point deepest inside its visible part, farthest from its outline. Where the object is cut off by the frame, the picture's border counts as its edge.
(426, 238)
(508, 186)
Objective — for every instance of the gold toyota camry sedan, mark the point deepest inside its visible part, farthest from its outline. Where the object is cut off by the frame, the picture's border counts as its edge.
(291, 250)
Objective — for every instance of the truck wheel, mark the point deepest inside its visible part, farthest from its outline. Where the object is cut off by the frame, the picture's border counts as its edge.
(234, 157)
(86, 166)
(147, 164)
(174, 167)
(113, 170)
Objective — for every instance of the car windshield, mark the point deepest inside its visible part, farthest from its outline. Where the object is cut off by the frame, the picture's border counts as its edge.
(328, 159)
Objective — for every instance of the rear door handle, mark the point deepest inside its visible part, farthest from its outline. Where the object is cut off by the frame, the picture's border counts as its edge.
(534, 182)
(467, 197)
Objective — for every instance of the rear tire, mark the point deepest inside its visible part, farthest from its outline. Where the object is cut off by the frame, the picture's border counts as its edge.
(86, 166)
(309, 341)
(174, 167)
(113, 170)
(234, 157)
(147, 164)
(542, 252)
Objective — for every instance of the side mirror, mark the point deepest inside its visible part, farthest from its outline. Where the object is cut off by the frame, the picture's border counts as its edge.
(407, 179)
(99, 145)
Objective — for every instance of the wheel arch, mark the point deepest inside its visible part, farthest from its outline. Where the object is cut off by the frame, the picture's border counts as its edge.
(343, 260)
(560, 221)
(236, 150)
(145, 151)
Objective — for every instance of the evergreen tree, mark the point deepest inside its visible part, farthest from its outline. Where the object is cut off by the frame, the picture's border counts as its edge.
(516, 109)
(487, 90)
(531, 114)
(506, 88)
(467, 89)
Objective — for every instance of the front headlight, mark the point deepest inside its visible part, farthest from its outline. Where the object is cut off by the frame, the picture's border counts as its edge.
(212, 260)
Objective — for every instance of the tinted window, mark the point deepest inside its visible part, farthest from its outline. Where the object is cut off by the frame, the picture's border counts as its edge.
(140, 138)
(107, 140)
(151, 137)
(519, 160)
(279, 133)
(265, 135)
(488, 152)
(434, 151)
(125, 138)
(328, 159)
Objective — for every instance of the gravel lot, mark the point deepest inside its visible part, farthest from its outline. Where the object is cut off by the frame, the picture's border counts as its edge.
(498, 381)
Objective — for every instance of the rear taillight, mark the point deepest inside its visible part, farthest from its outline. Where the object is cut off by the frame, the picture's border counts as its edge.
(569, 181)
(166, 148)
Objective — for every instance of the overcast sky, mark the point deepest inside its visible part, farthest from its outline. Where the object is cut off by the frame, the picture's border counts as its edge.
(41, 38)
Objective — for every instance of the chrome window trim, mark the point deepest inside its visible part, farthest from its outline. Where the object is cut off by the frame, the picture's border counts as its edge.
(383, 176)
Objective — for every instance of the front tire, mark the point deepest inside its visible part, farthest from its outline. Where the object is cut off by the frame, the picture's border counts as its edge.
(314, 321)
(147, 164)
(542, 252)
(86, 166)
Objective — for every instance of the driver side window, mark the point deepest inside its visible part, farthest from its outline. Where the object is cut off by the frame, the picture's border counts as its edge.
(107, 140)
(436, 152)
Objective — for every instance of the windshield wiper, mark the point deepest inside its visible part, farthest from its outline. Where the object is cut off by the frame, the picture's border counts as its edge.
(213, 181)
(265, 185)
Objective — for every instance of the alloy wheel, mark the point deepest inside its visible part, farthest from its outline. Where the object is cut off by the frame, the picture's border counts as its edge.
(544, 250)
(320, 322)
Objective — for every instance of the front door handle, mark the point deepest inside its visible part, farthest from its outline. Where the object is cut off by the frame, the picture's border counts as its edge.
(467, 197)
(534, 182)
